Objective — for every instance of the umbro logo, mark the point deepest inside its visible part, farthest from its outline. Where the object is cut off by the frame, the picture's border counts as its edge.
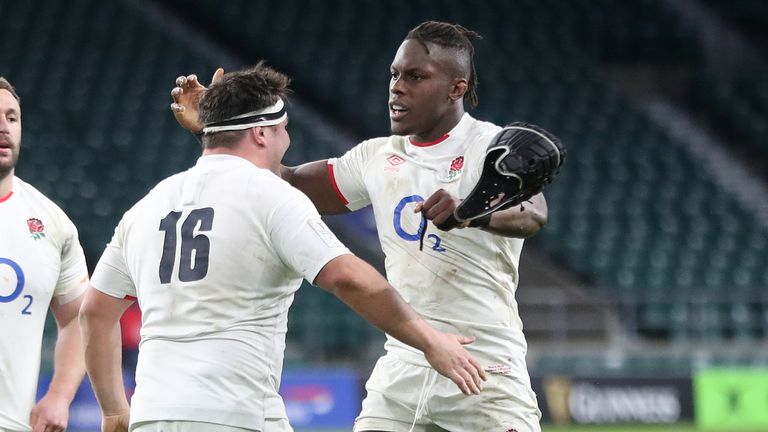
(395, 160)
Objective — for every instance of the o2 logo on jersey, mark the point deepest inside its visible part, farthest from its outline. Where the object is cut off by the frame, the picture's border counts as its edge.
(405, 235)
(12, 284)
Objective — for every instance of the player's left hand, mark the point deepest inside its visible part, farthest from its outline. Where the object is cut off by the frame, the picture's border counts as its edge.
(439, 208)
(448, 357)
(51, 414)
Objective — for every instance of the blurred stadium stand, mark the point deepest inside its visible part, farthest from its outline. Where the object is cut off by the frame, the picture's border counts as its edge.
(649, 263)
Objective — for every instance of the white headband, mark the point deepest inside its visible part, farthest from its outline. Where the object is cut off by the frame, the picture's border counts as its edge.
(269, 116)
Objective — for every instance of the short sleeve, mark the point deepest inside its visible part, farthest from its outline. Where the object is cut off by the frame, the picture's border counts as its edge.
(111, 274)
(347, 175)
(301, 238)
(73, 276)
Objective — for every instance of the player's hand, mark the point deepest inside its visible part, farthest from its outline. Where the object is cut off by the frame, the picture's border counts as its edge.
(51, 414)
(115, 422)
(449, 358)
(439, 208)
(186, 100)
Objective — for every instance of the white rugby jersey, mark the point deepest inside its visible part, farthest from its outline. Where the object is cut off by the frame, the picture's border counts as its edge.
(463, 281)
(214, 256)
(41, 260)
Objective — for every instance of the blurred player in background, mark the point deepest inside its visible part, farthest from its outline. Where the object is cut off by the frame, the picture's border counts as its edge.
(463, 280)
(214, 255)
(42, 266)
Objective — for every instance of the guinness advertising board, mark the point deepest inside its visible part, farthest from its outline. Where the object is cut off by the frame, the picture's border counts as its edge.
(566, 400)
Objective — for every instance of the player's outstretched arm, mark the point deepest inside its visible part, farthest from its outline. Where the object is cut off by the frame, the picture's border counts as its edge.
(51, 413)
(363, 289)
(520, 221)
(186, 100)
(100, 321)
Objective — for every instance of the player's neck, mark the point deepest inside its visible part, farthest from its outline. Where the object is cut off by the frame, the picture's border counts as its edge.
(6, 184)
(257, 158)
(442, 127)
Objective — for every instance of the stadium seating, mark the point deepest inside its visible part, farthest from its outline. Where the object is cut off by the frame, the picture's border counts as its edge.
(748, 16)
(737, 107)
(650, 364)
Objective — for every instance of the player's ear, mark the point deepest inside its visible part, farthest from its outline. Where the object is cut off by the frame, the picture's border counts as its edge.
(459, 87)
(257, 134)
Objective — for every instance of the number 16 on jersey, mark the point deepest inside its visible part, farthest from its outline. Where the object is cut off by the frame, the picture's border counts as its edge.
(195, 248)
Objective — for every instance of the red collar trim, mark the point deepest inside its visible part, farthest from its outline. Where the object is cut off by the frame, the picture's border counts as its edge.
(7, 197)
(431, 143)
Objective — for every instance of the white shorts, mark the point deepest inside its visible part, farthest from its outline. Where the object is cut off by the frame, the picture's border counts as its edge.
(404, 397)
(270, 425)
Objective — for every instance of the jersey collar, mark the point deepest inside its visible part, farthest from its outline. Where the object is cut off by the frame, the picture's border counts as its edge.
(9, 194)
(222, 159)
(430, 143)
(457, 132)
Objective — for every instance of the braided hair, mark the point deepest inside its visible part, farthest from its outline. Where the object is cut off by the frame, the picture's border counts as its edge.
(453, 36)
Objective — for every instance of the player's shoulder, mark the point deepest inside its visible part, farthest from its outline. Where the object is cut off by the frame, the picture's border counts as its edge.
(31, 193)
(272, 200)
(476, 135)
(482, 127)
(40, 210)
(161, 192)
(380, 141)
(171, 182)
(479, 134)
(377, 144)
(268, 182)
(370, 149)
(39, 200)
(163, 188)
